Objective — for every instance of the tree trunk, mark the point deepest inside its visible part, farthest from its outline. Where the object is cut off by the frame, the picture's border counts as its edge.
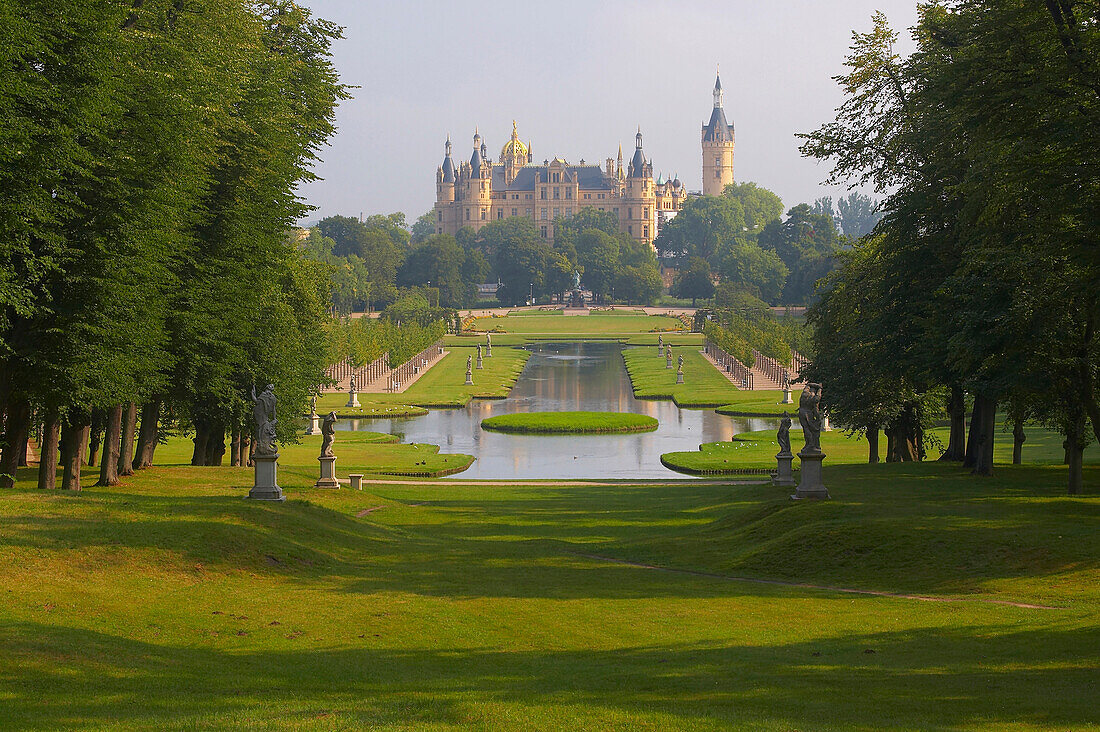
(987, 430)
(1018, 439)
(74, 438)
(235, 447)
(99, 417)
(17, 427)
(126, 449)
(112, 443)
(24, 449)
(147, 437)
(956, 441)
(47, 452)
(905, 437)
(971, 456)
(872, 444)
(215, 444)
(201, 438)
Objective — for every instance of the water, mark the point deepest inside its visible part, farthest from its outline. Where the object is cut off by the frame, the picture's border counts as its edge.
(586, 376)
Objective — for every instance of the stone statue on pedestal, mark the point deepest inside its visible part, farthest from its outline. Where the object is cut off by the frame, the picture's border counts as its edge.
(265, 456)
(326, 459)
(784, 476)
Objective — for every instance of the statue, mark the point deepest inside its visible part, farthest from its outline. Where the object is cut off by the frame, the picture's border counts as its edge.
(680, 362)
(263, 411)
(479, 350)
(469, 362)
(576, 280)
(351, 386)
(313, 405)
(328, 436)
(668, 351)
(809, 416)
(784, 435)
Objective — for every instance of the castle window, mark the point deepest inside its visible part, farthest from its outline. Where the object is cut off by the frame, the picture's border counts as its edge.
(630, 230)
(439, 230)
(528, 196)
(557, 212)
(718, 161)
(467, 214)
(543, 194)
(545, 214)
(630, 213)
(599, 195)
(513, 212)
(717, 174)
(438, 215)
(569, 193)
(557, 177)
(500, 213)
(527, 212)
(568, 213)
(484, 214)
(645, 215)
(544, 232)
(645, 232)
(557, 193)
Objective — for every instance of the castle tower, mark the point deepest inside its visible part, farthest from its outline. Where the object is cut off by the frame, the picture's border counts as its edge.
(514, 155)
(478, 184)
(638, 202)
(717, 147)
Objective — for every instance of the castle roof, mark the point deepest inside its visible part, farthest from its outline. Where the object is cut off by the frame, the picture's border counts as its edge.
(589, 177)
(718, 130)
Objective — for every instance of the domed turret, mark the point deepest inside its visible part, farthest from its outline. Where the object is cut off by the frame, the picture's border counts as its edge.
(448, 164)
(476, 157)
(637, 163)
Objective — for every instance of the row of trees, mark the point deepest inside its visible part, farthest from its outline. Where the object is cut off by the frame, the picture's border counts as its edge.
(979, 286)
(740, 238)
(150, 154)
(404, 329)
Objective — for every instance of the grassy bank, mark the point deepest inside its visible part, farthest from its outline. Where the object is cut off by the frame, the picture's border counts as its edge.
(170, 603)
(704, 386)
(443, 385)
(757, 450)
(594, 325)
(566, 423)
(371, 453)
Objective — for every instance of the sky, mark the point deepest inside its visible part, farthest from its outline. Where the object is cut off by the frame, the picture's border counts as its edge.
(579, 78)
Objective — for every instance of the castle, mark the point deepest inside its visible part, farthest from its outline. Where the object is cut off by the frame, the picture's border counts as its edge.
(476, 192)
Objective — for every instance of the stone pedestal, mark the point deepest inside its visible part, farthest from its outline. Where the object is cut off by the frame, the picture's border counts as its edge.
(784, 476)
(668, 363)
(314, 428)
(265, 487)
(787, 398)
(328, 472)
(480, 363)
(679, 377)
(810, 485)
(356, 481)
(489, 350)
(469, 377)
(353, 399)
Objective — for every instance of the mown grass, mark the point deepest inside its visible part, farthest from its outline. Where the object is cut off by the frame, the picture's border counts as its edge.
(594, 325)
(371, 453)
(443, 385)
(704, 386)
(566, 423)
(170, 603)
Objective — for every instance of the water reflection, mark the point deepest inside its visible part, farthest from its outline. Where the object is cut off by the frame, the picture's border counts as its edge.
(567, 377)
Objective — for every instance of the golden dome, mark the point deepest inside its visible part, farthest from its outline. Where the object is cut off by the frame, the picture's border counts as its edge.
(514, 149)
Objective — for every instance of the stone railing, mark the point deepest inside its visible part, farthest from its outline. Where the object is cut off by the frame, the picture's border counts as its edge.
(740, 373)
(406, 371)
(364, 375)
(771, 368)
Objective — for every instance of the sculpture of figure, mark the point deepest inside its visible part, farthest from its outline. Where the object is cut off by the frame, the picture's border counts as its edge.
(809, 416)
(313, 405)
(479, 350)
(680, 362)
(351, 386)
(263, 411)
(469, 362)
(668, 351)
(784, 435)
(489, 339)
(660, 341)
(786, 380)
(328, 434)
(576, 280)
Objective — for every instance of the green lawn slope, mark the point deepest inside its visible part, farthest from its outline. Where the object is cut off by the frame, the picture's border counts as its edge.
(704, 386)
(171, 603)
(567, 423)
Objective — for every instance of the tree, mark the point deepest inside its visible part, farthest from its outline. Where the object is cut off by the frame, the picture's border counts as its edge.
(439, 262)
(694, 281)
(751, 269)
(760, 206)
(598, 255)
(806, 244)
(423, 227)
(858, 214)
(700, 228)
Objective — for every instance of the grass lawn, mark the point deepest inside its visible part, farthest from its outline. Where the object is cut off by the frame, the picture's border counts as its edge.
(170, 603)
(371, 453)
(565, 423)
(594, 325)
(444, 383)
(704, 385)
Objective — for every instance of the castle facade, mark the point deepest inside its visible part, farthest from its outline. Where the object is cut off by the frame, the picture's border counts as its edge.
(479, 190)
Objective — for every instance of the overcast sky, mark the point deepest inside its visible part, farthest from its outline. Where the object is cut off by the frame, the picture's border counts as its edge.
(579, 77)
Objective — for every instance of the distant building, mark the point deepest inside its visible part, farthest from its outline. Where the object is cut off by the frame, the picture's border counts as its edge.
(476, 192)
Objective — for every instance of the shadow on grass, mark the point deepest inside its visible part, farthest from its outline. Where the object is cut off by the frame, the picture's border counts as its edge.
(989, 676)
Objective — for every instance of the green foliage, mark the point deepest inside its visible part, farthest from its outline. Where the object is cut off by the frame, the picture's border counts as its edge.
(759, 205)
(694, 280)
(406, 328)
(568, 423)
(858, 214)
(806, 243)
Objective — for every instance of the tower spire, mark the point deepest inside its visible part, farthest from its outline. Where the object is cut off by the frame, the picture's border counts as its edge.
(717, 90)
